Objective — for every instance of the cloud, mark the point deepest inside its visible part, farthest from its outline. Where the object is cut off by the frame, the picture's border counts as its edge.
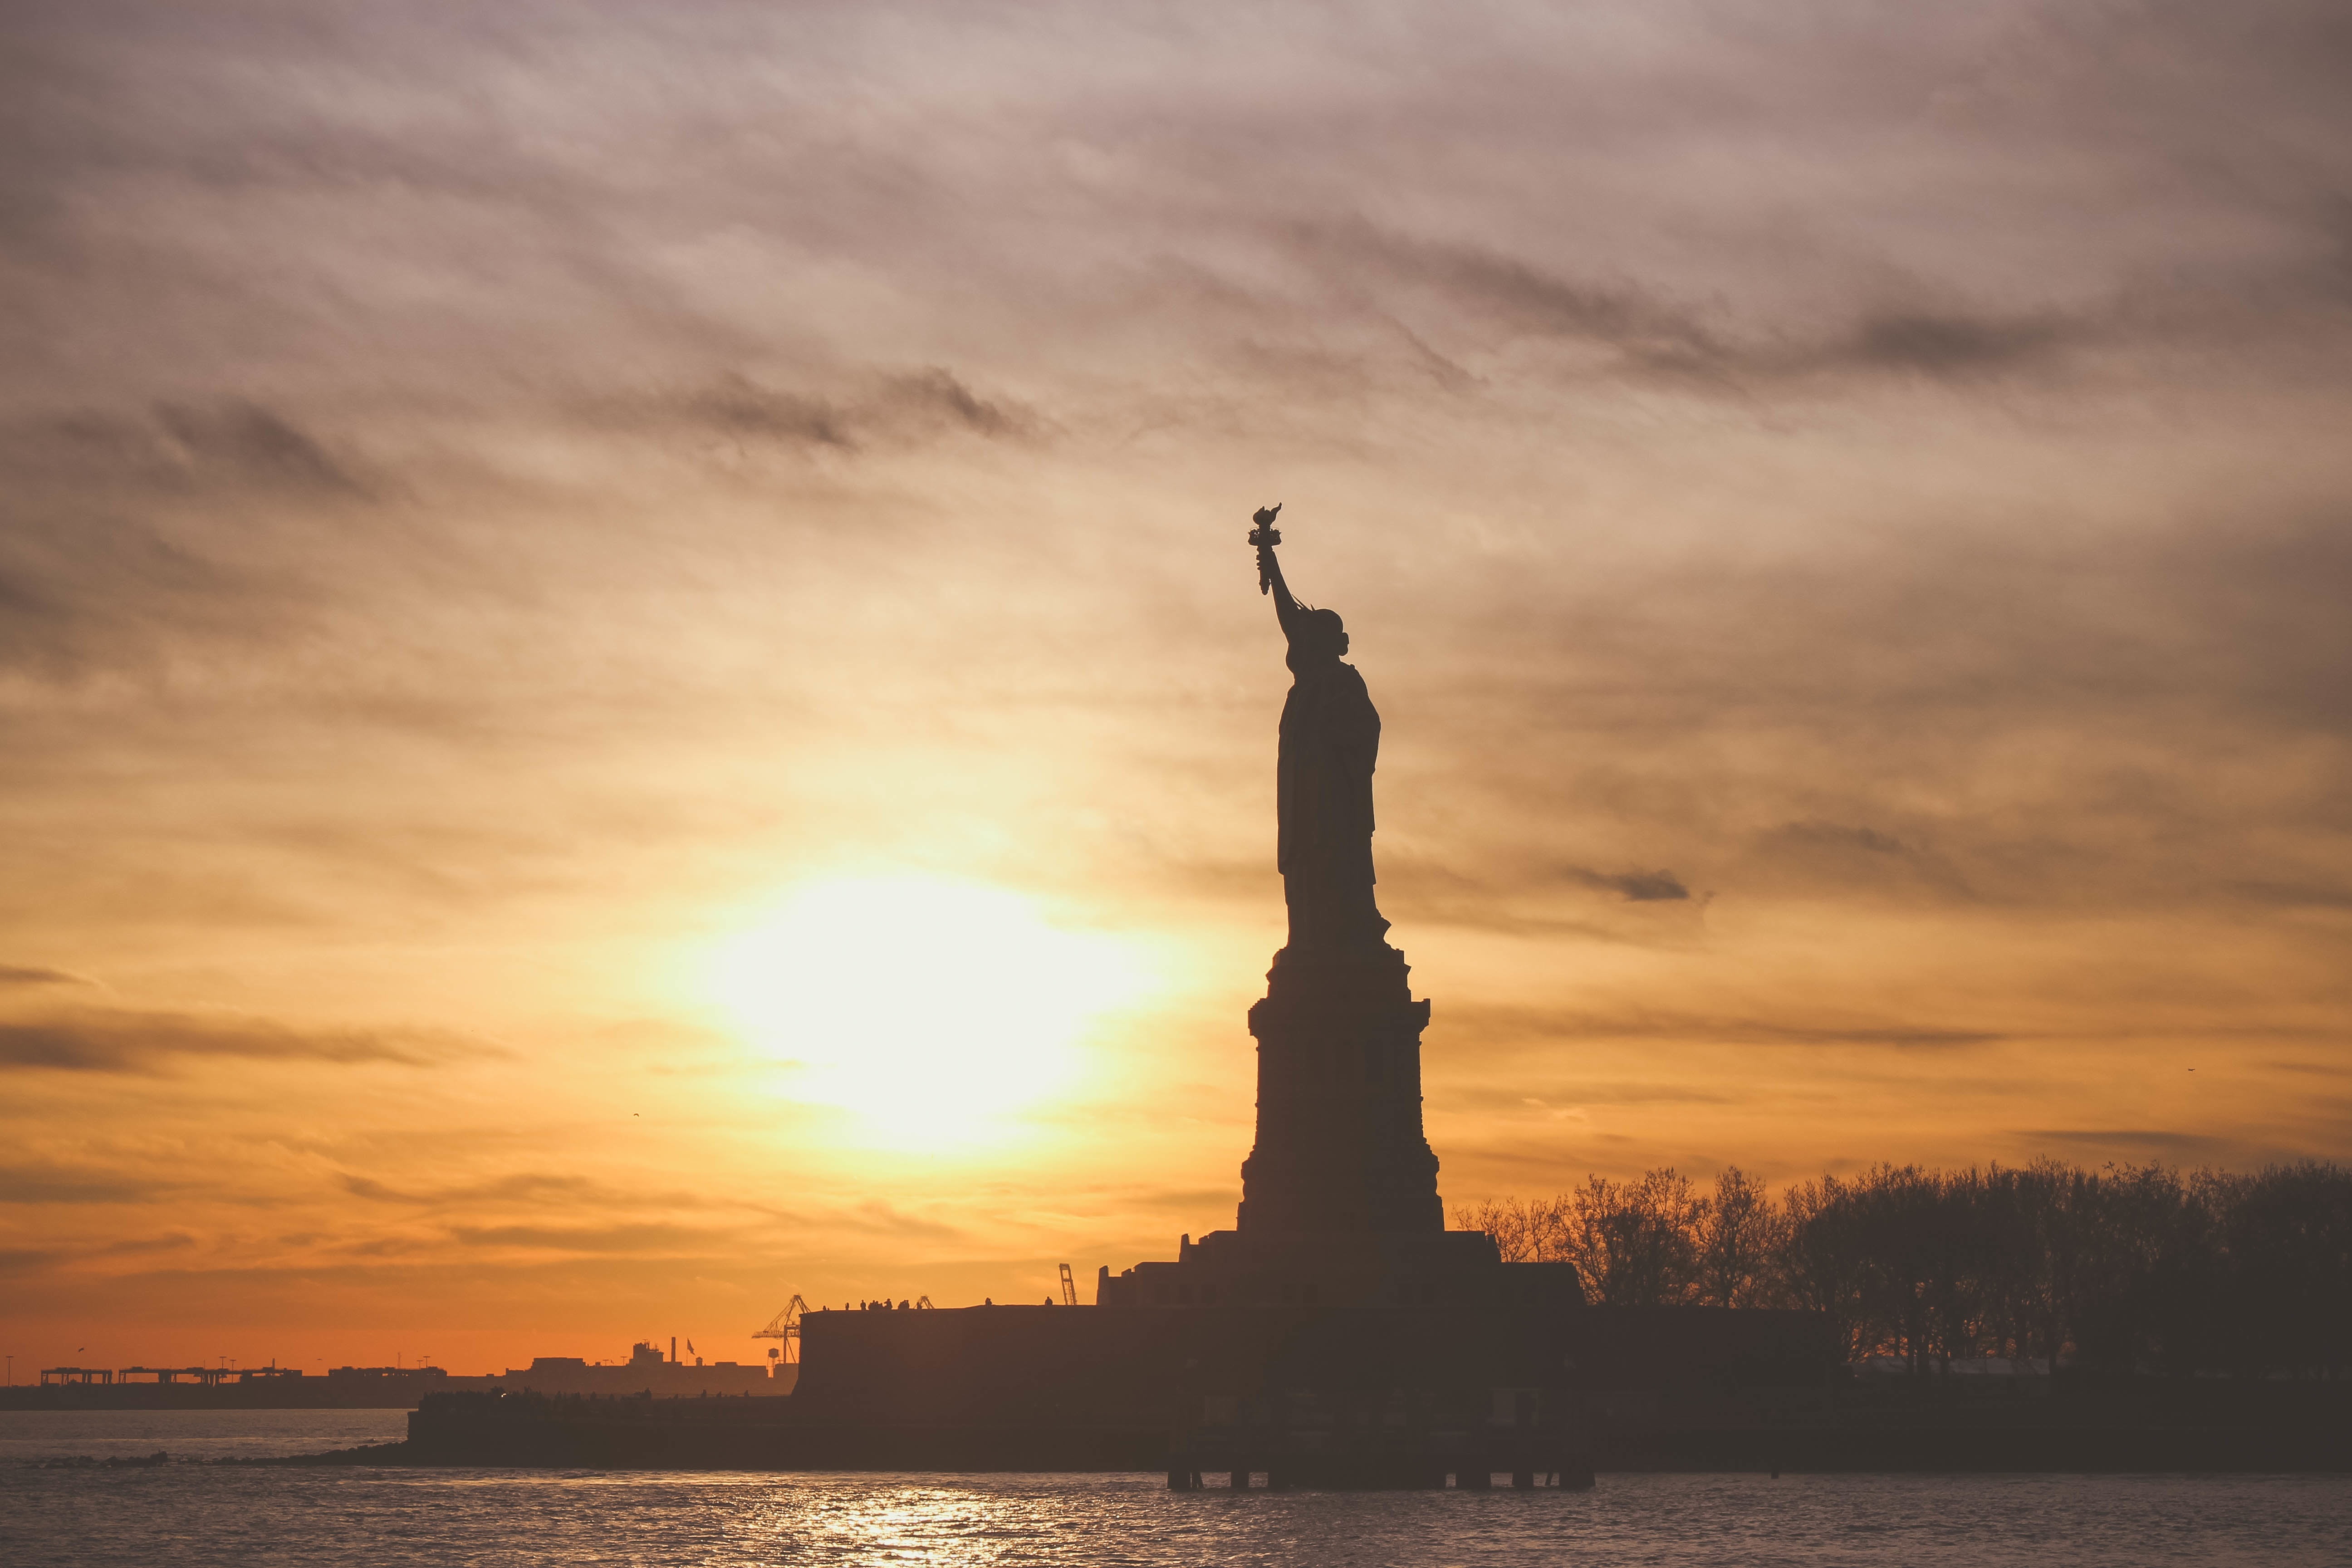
(735, 406)
(19, 974)
(1489, 914)
(934, 399)
(155, 1043)
(37, 1261)
(135, 1247)
(82, 591)
(2009, 723)
(876, 1216)
(1932, 343)
(1635, 886)
(2143, 1142)
(114, 551)
(1652, 336)
(71, 1184)
(232, 444)
(2290, 895)
(1528, 1026)
(889, 410)
(1507, 891)
(1834, 854)
(524, 1187)
(1647, 331)
(646, 1240)
(1514, 1100)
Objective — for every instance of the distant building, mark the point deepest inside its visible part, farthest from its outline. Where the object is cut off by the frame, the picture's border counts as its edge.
(647, 1371)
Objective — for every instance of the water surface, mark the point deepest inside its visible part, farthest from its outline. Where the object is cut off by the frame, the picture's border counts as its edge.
(191, 1434)
(203, 1514)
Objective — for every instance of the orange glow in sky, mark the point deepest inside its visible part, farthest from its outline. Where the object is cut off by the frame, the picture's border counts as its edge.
(934, 1012)
(630, 682)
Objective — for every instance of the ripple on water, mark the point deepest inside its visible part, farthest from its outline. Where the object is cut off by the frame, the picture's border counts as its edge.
(201, 1514)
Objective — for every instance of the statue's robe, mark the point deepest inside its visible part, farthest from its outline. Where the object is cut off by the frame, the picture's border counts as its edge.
(1323, 796)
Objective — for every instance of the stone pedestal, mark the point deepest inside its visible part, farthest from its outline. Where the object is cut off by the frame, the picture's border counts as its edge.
(1340, 1206)
(1339, 1140)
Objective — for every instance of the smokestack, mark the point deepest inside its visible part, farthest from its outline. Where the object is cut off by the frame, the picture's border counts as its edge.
(673, 1350)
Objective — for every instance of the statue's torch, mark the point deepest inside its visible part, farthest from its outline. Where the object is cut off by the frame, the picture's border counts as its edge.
(1266, 536)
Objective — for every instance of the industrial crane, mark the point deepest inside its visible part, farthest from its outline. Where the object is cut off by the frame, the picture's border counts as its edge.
(786, 1326)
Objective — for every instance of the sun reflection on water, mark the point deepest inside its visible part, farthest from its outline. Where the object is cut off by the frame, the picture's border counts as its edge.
(201, 1515)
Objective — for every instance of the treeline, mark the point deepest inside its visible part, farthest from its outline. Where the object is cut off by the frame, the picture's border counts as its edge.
(2138, 1269)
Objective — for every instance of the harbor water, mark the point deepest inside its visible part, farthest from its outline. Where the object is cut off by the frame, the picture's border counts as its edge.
(189, 1510)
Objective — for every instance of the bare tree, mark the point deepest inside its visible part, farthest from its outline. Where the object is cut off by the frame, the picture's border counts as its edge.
(2122, 1269)
(1506, 1220)
(1739, 1244)
(1635, 1244)
(1823, 1257)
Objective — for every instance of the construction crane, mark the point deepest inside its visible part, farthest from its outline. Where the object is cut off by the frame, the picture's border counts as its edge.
(1069, 1287)
(786, 1326)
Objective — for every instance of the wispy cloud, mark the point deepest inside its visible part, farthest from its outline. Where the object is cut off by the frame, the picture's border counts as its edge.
(522, 1188)
(46, 1183)
(146, 1043)
(231, 444)
(889, 409)
(1527, 1025)
(20, 974)
(645, 1240)
(1647, 335)
(1635, 886)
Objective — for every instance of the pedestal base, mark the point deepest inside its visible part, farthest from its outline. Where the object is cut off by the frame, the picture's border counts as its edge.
(1339, 1140)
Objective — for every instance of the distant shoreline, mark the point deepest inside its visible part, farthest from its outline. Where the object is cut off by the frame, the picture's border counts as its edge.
(310, 1393)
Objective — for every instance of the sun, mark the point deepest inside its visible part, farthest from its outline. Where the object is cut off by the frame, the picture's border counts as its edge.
(932, 1011)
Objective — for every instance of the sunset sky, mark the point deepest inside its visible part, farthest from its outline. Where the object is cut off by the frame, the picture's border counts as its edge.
(629, 679)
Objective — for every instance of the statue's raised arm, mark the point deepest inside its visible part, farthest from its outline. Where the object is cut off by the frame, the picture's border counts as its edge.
(1266, 536)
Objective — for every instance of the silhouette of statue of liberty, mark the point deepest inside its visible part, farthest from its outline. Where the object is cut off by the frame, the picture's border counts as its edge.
(1323, 776)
